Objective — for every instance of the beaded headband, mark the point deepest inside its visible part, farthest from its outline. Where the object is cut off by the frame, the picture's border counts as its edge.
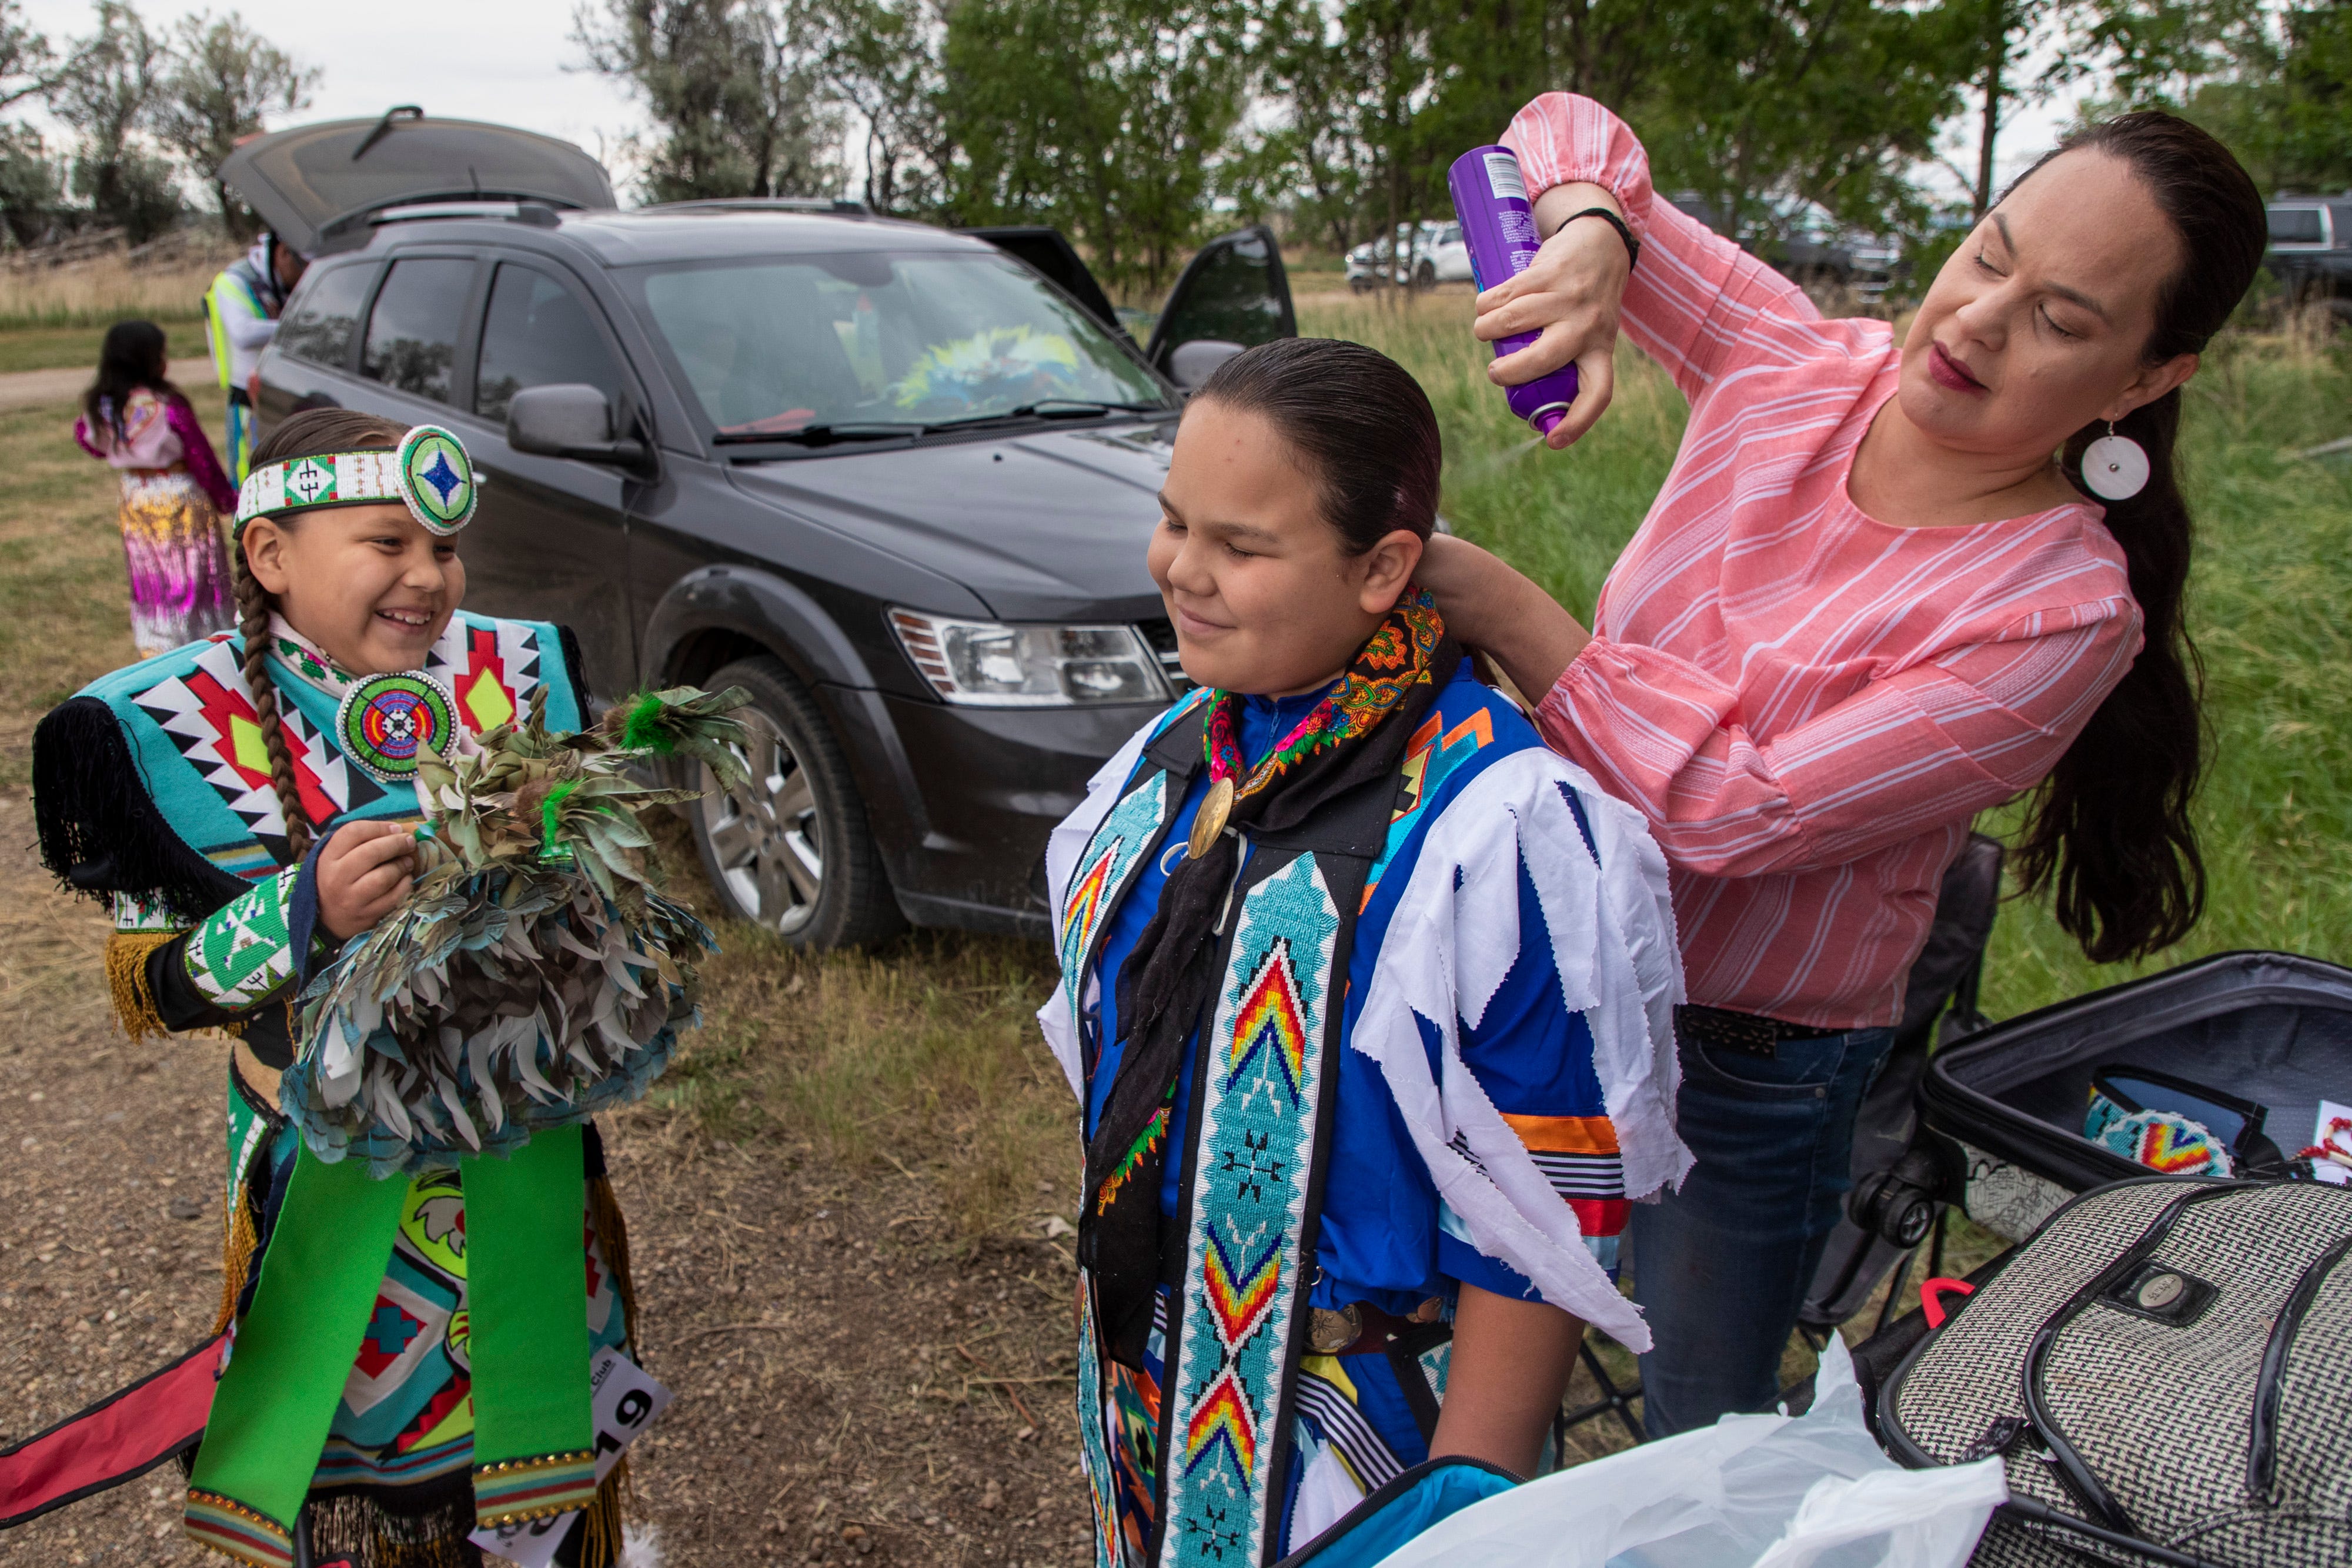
(428, 473)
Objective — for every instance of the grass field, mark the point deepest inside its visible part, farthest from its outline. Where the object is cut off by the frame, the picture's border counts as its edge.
(61, 348)
(2267, 605)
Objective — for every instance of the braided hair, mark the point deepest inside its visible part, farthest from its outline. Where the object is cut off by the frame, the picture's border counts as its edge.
(312, 434)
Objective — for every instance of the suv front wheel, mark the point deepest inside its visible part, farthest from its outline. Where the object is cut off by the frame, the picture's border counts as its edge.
(790, 848)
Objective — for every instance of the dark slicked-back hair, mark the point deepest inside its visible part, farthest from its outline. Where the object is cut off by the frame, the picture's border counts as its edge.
(1360, 421)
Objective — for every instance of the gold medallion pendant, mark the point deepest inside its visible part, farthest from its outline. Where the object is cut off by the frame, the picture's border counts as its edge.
(1211, 820)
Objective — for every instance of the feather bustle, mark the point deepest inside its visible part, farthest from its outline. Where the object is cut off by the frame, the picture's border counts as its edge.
(530, 977)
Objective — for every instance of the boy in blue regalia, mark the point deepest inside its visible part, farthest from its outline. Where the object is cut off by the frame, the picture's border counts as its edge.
(1366, 995)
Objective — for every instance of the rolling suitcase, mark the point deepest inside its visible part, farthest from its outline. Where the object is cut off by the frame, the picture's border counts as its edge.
(2271, 1029)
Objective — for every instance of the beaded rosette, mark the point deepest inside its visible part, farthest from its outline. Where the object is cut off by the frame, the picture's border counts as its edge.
(388, 724)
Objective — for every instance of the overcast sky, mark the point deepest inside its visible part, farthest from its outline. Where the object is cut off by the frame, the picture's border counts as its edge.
(504, 61)
(513, 61)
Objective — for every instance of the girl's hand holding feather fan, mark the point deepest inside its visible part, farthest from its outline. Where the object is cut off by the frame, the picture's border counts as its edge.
(532, 977)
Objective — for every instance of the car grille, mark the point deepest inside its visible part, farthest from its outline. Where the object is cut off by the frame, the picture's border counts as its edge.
(1161, 635)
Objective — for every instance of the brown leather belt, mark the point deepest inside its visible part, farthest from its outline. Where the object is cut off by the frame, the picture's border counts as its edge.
(1751, 1034)
(1360, 1327)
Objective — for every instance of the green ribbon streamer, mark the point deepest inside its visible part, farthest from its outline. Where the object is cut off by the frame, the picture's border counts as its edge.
(526, 1291)
(294, 1349)
(527, 1299)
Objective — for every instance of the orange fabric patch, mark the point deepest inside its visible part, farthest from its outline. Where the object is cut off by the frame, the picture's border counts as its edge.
(1565, 1135)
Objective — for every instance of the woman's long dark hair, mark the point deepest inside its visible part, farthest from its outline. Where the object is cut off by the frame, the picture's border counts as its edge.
(311, 434)
(133, 354)
(2109, 832)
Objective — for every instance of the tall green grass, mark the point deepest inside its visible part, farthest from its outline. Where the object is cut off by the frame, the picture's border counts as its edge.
(2269, 605)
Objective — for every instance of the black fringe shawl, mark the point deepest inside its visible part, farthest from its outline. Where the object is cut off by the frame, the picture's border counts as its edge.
(101, 832)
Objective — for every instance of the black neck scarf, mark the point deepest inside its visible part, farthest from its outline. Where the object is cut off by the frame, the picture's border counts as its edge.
(1355, 734)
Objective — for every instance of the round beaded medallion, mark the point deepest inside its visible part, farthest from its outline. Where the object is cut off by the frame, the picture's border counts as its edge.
(385, 723)
(436, 478)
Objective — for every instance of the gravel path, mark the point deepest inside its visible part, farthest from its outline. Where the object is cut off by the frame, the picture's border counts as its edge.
(30, 388)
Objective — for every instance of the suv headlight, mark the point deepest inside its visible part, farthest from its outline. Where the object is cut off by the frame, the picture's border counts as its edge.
(984, 664)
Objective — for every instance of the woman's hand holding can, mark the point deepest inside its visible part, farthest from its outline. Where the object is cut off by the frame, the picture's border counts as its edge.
(1569, 295)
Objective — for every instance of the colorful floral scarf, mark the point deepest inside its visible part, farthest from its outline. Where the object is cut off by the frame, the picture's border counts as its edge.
(1393, 660)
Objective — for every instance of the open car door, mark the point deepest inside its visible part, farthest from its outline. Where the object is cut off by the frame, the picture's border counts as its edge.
(1234, 294)
(317, 185)
(1047, 252)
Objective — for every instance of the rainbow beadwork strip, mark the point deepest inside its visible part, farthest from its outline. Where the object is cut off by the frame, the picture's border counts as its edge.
(513, 1490)
(229, 1527)
(1230, 1361)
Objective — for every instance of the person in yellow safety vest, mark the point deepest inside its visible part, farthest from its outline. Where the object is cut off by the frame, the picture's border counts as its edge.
(241, 310)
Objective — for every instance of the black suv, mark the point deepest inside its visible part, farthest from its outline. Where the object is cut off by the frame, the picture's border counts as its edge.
(896, 481)
(2311, 250)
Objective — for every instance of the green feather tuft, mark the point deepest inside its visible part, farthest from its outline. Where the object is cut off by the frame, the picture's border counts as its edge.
(547, 809)
(644, 729)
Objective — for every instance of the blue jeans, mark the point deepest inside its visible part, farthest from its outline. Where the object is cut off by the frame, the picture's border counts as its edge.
(1721, 1267)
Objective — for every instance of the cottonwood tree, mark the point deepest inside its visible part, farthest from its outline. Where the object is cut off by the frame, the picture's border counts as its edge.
(2273, 81)
(222, 78)
(31, 182)
(31, 185)
(1321, 156)
(28, 64)
(1111, 119)
(1493, 56)
(883, 58)
(1349, 143)
(1765, 109)
(733, 87)
(104, 92)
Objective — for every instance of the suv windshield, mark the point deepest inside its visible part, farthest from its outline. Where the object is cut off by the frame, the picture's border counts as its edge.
(777, 347)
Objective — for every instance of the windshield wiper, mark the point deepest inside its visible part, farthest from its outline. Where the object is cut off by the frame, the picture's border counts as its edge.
(818, 435)
(1050, 408)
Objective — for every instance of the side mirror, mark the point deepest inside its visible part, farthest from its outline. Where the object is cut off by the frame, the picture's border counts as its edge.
(1191, 365)
(1232, 291)
(568, 420)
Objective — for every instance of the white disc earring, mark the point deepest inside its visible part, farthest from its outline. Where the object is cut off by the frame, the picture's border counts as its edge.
(2115, 467)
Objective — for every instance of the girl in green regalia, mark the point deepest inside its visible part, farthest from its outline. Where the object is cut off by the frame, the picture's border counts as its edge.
(411, 1358)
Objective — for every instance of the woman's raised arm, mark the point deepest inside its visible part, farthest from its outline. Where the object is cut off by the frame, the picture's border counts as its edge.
(1932, 744)
(1696, 303)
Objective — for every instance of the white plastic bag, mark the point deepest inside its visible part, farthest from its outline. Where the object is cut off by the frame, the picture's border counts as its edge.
(1750, 1492)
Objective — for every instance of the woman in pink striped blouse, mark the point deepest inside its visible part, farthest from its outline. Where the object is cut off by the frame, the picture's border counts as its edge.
(1872, 599)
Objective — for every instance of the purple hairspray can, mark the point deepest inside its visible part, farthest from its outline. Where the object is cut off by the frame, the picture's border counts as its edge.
(1498, 227)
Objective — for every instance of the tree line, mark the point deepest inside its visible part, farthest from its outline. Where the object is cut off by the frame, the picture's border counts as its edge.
(142, 107)
(1137, 125)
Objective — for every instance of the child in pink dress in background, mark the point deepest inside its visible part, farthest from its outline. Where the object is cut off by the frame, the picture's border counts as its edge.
(175, 494)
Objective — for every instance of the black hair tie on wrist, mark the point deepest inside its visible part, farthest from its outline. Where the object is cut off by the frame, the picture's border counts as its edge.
(1632, 246)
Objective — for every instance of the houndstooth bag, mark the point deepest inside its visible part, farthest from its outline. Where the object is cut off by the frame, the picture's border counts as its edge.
(2166, 1370)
